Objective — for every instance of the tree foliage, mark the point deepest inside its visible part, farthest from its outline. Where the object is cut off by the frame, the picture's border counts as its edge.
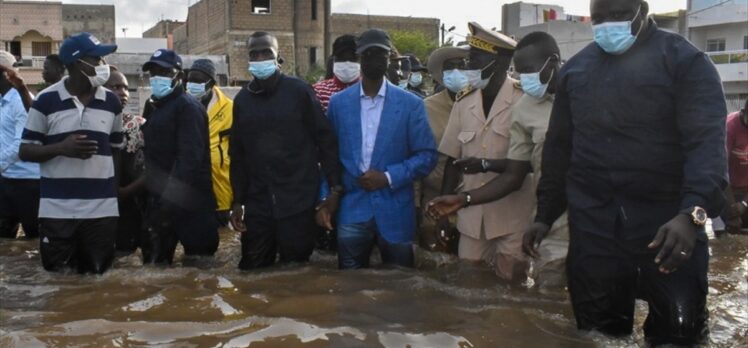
(414, 42)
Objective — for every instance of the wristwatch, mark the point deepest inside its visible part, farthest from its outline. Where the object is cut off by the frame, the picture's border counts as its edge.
(484, 163)
(468, 198)
(698, 215)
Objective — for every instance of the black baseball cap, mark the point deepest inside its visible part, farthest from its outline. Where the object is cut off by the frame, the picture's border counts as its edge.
(343, 43)
(373, 38)
(205, 66)
(164, 58)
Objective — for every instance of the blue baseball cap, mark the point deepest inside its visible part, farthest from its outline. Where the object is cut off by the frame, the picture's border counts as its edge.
(81, 45)
(164, 58)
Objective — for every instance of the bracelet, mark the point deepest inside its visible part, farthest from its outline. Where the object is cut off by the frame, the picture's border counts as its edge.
(468, 198)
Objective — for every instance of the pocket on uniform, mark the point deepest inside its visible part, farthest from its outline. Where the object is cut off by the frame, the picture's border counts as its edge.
(465, 137)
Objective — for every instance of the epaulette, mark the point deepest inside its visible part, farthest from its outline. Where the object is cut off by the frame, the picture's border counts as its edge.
(518, 85)
(464, 93)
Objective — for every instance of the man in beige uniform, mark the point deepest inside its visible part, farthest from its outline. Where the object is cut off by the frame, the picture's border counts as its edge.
(446, 62)
(491, 232)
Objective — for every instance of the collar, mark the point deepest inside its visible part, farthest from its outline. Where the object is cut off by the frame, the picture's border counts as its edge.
(10, 95)
(382, 89)
(178, 91)
(100, 93)
(340, 84)
(254, 87)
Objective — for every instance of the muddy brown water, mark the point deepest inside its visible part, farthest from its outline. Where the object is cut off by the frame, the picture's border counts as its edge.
(209, 303)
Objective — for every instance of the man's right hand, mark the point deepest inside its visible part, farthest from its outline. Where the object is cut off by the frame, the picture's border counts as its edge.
(326, 210)
(444, 231)
(76, 146)
(237, 218)
(532, 238)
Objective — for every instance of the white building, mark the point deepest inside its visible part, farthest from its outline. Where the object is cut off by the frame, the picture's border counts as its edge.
(720, 28)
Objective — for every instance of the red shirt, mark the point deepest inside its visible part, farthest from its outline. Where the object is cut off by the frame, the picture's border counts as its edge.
(326, 88)
(737, 152)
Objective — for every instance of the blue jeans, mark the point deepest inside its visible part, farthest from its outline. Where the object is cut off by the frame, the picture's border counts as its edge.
(355, 242)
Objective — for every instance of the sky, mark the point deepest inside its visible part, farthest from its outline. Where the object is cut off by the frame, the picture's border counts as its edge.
(139, 15)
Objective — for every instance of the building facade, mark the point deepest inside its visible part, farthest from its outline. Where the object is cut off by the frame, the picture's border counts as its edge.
(720, 28)
(305, 30)
(31, 30)
(164, 29)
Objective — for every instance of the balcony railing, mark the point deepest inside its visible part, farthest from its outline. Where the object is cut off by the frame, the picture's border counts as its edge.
(32, 62)
(729, 57)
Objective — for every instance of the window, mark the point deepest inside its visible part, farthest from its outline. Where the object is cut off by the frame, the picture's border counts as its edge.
(715, 45)
(745, 42)
(15, 48)
(314, 10)
(312, 56)
(41, 49)
(260, 6)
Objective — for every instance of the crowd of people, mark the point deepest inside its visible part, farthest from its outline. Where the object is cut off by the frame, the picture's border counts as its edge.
(629, 135)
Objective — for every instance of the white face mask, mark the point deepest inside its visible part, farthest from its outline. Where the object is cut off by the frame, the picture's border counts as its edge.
(347, 72)
(101, 77)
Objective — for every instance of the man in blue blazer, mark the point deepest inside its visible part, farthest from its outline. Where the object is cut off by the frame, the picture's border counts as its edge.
(385, 146)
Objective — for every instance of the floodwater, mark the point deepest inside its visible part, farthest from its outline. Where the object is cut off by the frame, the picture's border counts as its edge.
(210, 303)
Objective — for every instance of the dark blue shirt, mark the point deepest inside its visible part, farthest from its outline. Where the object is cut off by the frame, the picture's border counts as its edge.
(634, 138)
(177, 153)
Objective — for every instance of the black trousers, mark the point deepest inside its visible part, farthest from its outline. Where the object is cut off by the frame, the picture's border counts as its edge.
(292, 237)
(130, 228)
(606, 276)
(196, 230)
(83, 244)
(19, 203)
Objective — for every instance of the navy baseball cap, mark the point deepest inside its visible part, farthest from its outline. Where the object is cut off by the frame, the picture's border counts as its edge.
(81, 45)
(164, 58)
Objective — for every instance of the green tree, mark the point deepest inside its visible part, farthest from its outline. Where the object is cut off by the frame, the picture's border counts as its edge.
(414, 42)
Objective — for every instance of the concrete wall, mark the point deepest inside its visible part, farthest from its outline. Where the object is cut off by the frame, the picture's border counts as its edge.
(713, 12)
(344, 23)
(18, 18)
(95, 19)
(162, 29)
(521, 14)
(571, 37)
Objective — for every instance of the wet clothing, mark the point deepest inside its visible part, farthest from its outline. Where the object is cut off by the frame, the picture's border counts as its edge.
(438, 108)
(86, 245)
(357, 240)
(603, 275)
(180, 202)
(131, 226)
(19, 203)
(530, 118)
(647, 129)
(292, 237)
(220, 115)
(472, 132)
(388, 133)
(73, 188)
(737, 151)
(634, 139)
(279, 140)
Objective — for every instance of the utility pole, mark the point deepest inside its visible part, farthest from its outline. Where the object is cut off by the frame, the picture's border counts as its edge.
(444, 32)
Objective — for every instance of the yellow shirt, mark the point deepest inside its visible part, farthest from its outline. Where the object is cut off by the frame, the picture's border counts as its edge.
(470, 133)
(220, 117)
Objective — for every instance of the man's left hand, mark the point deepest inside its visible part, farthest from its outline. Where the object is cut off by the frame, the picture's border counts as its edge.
(677, 238)
(373, 180)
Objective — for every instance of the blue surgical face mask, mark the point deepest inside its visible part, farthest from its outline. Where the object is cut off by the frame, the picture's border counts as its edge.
(161, 86)
(455, 80)
(197, 90)
(615, 37)
(263, 69)
(475, 76)
(531, 83)
(416, 79)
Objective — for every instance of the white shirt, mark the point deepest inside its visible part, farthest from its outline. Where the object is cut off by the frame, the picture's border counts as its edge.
(371, 114)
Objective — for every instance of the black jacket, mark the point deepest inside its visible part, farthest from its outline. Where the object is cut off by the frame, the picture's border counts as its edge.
(278, 138)
(177, 154)
(634, 139)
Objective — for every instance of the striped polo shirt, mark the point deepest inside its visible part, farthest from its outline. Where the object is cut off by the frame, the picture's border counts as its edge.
(73, 188)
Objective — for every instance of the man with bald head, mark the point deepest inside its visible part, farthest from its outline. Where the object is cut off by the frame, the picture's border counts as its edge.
(636, 150)
(278, 137)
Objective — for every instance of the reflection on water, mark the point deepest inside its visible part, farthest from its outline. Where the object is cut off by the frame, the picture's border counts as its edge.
(209, 303)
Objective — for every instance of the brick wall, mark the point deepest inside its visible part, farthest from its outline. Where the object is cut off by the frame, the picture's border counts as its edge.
(17, 18)
(162, 29)
(343, 23)
(95, 19)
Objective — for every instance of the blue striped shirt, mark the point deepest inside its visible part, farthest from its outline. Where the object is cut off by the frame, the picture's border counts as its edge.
(12, 119)
(73, 188)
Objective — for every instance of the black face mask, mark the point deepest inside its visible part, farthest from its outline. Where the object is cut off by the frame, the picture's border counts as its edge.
(374, 68)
